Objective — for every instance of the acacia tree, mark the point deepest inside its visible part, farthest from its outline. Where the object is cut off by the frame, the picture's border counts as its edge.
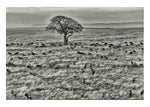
(64, 25)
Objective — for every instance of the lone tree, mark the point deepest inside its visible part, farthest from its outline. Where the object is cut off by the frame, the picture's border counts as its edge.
(64, 25)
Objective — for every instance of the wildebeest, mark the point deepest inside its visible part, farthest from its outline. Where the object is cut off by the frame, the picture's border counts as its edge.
(134, 80)
(44, 53)
(104, 57)
(83, 80)
(131, 43)
(31, 43)
(16, 53)
(130, 93)
(82, 70)
(132, 52)
(93, 71)
(103, 49)
(111, 46)
(29, 66)
(43, 45)
(81, 53)
(20, 58)
(105, 43)
(8, 71)
(90, 54)
(39, 66)
(10, 64)
(13, 93)
(142, 92)
(28, 96)
(32, 53)
(34, 74)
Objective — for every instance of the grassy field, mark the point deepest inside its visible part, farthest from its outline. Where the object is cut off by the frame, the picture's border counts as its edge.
(98, 64)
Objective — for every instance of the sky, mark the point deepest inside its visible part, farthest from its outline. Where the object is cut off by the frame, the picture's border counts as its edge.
(40, 16)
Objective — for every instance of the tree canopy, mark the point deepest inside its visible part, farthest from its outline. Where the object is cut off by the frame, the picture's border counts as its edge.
(64, 25)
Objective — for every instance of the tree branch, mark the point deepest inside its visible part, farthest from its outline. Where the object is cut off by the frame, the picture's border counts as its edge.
(69, 35)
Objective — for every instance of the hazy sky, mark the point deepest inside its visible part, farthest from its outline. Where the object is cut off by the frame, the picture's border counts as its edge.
(31, 16)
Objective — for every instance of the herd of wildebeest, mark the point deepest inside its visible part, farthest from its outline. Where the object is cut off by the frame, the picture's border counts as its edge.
(85, 69)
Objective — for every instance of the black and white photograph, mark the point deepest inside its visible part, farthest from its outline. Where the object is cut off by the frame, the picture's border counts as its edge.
(74, 53)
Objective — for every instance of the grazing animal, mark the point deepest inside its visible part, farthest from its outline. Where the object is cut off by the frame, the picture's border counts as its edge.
(130, 53)
(10, 64)
(71, 47)
(67, 66)
(31, 43)
(98, 65)
(83, 80)
(132, 62)
(9, 53)
(39, 66)
(21, 44)
(12, 43)
(44, 53)
(29, 66)
(13, 93)
(131, 43)
(77, 58)
(16, 53)
(81, 53)
(111, 46)
(28, 96)
(130, 93)
(141, 43)
(90, 54)
(60, 44)
(74, 63)
(23, 54)
(8, 71)
(11, 59)
(82, 69)
(20, 58)
(31, 73)
(105, 43)
(43, 45)
(103, 49)
(90, 49)
(142, 92)
(118, 46)
(134, 51)
(85, 66)
(92, 44)
(115, 58)
(134, 80)
(32, 53)
(93, 71)
(49, 51)
(105, 57)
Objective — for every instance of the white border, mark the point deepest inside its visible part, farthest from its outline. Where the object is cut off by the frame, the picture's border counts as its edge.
(73, 3)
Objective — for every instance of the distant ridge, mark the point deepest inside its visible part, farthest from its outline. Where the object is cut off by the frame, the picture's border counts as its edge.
(115, 25)
(97, 25)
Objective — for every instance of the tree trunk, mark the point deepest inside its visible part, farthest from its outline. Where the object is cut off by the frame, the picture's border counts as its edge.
(65, 40)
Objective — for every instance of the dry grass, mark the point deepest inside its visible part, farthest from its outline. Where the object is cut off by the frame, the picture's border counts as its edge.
(40, 67)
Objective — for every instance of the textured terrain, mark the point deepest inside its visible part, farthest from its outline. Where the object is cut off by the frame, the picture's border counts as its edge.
(98, 64)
